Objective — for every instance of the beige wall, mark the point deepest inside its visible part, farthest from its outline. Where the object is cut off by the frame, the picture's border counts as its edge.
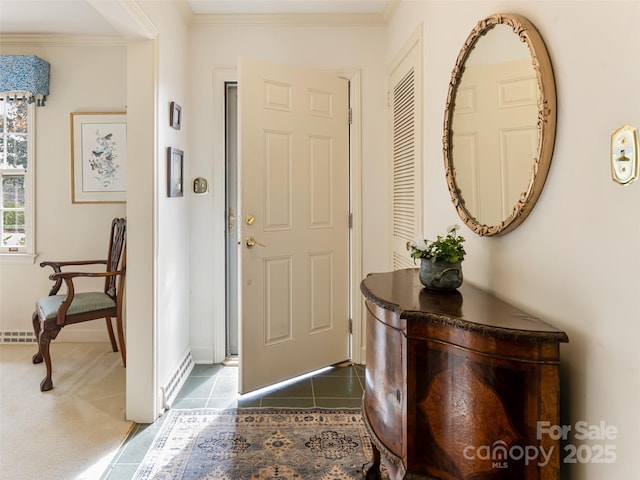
(83, 79)
(215, 48)
(574, 262)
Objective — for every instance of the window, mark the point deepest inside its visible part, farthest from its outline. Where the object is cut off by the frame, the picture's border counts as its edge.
(16, 173)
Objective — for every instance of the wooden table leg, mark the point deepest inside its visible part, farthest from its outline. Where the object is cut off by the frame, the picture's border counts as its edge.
(371, 470)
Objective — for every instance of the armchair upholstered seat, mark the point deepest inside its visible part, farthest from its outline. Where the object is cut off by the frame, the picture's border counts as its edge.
(55, 311)
(82, 302)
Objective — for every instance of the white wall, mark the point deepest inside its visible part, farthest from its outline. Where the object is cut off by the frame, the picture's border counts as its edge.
(142, 397)
(83, 79)
(574, 261)
(168, 229)
(218, 47)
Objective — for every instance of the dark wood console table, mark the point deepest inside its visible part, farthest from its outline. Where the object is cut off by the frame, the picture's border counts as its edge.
(456, 383)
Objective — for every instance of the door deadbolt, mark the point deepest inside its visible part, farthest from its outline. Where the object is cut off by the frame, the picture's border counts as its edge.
(249, 219)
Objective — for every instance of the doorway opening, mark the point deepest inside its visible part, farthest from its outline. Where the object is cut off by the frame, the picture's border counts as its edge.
(232, 227)
(226, 343)
(231, 209)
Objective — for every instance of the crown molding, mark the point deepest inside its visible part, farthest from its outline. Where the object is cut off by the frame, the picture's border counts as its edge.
(127, 18)
(293, 19)
(62, 40)
(390, 10)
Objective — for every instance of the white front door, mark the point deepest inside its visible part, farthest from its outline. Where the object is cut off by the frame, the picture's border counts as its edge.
(293, 222)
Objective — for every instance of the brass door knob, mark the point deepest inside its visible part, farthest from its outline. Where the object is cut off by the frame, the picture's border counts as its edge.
(251, 242)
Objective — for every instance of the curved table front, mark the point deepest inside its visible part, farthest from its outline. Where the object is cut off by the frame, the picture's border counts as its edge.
(457, 383)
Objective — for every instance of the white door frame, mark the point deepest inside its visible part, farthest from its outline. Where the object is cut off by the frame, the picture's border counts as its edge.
(220, 77)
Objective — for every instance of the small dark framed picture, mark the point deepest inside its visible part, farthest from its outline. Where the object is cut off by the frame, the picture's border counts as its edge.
(175, 160)
(175, 115)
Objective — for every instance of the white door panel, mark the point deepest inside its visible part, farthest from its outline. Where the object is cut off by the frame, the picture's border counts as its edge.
(294, 171)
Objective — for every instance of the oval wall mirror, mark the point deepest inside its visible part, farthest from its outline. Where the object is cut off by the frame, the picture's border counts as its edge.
(500, 123)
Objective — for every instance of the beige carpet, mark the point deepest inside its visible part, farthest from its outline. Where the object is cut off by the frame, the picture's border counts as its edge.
(70, 432)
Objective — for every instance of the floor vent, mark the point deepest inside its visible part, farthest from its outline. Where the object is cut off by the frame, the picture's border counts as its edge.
(17, 337)
(172, 387)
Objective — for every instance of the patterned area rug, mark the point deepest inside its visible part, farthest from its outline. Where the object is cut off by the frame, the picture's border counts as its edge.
(258, 444)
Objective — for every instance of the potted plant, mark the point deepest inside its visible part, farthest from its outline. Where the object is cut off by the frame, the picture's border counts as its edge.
(440, 260)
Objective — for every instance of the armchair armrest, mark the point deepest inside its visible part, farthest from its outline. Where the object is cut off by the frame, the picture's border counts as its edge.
(76, 262)
(57, 266)
(71, 275)
(68, 277)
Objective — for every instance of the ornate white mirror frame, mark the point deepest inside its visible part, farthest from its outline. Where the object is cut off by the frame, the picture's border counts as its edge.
(546, 123)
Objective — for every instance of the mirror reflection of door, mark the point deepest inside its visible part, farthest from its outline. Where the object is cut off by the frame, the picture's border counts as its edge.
(495, 131)
(293, 257)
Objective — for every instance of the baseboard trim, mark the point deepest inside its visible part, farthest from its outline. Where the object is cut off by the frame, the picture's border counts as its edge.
(17, 337)
(170, 389)
(71, 335)
(203, 355)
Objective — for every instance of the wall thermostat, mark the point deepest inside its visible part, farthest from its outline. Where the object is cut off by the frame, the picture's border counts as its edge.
(200, 185)
(624, 155)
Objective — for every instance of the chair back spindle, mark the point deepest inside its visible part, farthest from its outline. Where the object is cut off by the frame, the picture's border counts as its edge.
(116, 248)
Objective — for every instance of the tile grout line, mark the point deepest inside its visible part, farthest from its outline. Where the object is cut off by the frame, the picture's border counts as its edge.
(215, 382)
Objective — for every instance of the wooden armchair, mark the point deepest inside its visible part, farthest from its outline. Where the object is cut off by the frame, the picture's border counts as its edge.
(56, 311)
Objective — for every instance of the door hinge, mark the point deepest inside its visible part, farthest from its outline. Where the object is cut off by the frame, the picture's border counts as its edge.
(350, 116)
(351, 326)
(351, 220)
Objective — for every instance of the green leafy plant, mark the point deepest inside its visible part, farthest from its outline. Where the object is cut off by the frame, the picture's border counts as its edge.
(449, 248)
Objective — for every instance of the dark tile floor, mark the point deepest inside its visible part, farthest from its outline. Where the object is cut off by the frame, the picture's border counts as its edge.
(216, 386)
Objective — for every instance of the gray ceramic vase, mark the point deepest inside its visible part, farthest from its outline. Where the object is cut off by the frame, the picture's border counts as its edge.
(440, 275)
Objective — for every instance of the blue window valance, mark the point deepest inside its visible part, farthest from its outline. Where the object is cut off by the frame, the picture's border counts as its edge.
(26, 75)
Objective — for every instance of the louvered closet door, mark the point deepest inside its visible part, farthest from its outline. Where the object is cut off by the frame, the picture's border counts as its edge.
(405, 98)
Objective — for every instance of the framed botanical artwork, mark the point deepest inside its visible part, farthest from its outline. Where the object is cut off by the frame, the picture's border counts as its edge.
(98, 157)
(175, 160)
(175, 115)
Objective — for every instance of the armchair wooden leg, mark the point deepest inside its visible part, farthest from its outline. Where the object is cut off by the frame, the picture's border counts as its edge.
(37, 357)
(123, 347)
(112, 337)
(45, 340)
